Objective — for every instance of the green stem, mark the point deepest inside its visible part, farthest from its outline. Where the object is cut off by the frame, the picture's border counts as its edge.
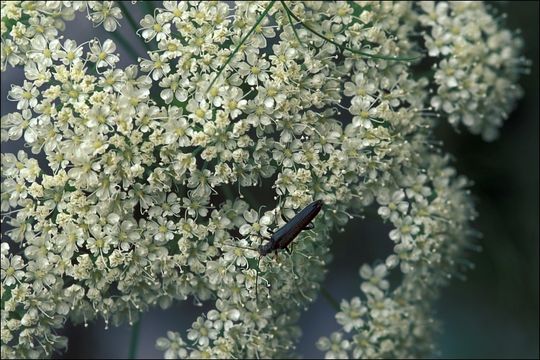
(128, 16)
(292, 25)
(134, 341)
(263, 14)
(333, 302)
(149, 6)
(134, 25)
(125, 44)
(343, 47)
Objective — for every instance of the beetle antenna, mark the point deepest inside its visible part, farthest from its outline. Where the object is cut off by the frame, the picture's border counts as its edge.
(238, 246)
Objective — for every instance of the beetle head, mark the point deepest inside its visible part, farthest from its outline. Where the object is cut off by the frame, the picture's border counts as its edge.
(266, 248)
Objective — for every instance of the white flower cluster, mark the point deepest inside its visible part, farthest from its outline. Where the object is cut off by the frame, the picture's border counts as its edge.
(148, 193)
(430, 212)
(29, 29)
(478, 65)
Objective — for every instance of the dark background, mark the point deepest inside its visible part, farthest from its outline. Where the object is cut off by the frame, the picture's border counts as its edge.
(494, 313)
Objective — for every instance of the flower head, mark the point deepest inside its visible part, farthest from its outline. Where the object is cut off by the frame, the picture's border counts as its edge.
(147, 191)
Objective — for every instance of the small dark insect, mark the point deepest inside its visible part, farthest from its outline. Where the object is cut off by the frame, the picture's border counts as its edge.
(283, 237)
(288, 232)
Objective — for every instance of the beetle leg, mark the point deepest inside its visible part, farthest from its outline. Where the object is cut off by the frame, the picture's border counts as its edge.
(288, 250)
(284, 219)
(265, 238)
(309, 226)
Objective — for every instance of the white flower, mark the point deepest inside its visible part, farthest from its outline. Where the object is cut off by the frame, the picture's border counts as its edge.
(104, 12)
(335, 347)
(12, 270)
(360, 87)
(254, 225)
(70, 52)
(376, 283)
(44, 51)
(173, 346)
(155, 27)
(26, 96)
(405, 230)
(199, 110)
(365, 112)
(202, 331)
(103, 55)
(392, 206)
(465, 72)
(351, 315)
(156, 167)
(157, 65)
(254, 69)
(234, 102)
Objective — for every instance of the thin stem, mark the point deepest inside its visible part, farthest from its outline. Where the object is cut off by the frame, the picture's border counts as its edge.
(134, 341)
(125, 44)
(333, 302)
(129, 18)
(134, 25)
(343, 47)
(149, 6)
(263, 14)
(292, 25)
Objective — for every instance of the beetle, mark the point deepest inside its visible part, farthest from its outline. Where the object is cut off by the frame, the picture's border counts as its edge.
(284, 236)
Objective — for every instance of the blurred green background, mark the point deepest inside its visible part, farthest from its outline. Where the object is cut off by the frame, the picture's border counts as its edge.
(494, 313)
